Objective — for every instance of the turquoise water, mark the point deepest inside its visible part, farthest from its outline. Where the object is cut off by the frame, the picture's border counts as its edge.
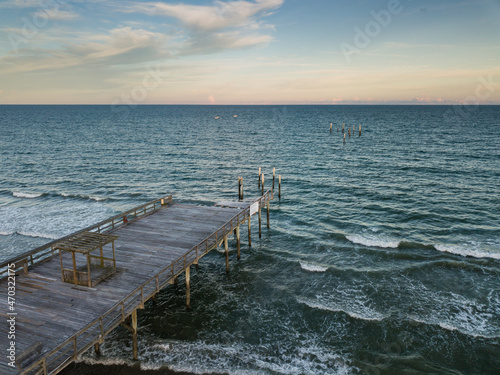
(383, 255)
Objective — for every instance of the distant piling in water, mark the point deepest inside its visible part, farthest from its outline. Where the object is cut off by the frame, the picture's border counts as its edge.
(279, 187)
(259, 175)
(274, 176)
(344, 137)
(360, 130)
(343, 125)
(262, 182)
(240, 188)
(331, 125)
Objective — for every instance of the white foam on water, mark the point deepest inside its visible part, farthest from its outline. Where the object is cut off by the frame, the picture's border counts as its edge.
(470, 249)
(372, 240)
(454, 312)
(231, 358)
(312, 267)
(50, 219)
(26, 195)
(5, 233)
(38, 235)
(348, 300)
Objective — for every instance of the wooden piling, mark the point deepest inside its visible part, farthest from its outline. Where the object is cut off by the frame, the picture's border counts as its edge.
(262, 183)
(267, 214)
(134, 335)
(260, 222)
(188, 288)
(343, 127)
(249, 232)
(274, 176)
(97, 348)
(360, 130)
(240, 188)
(349, 131)
(344, 137)
(279, 187)
(238, 241)
(259, 175)
(331, 125)
(226, 249)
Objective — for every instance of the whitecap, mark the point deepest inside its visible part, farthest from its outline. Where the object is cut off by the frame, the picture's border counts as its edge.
(469, 250)
(373, 241)
(37, 235)
(26, 195)
(313, 267)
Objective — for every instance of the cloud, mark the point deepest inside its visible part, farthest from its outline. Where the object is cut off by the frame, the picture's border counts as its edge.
(21, 4)
(219, 26)
(121, 46)
(219, 15)
(56, 15)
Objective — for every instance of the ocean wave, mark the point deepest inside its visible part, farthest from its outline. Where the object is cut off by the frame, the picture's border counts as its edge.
(467, 251)
(29, 234)
(373, 241)
(453, 328)
(83, 196)
(37, 235)
(356, 311)
(312, 267)
(234, 359)
(18, 194)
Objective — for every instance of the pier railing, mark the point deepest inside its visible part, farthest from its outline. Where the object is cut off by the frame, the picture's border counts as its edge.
(28, 259)
(93, 333)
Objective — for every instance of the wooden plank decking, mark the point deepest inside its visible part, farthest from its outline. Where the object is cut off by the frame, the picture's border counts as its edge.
(56, 321)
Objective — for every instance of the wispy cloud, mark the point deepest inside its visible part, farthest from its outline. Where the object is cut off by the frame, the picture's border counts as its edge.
(56, 14)
(122, 46)
(219, 15)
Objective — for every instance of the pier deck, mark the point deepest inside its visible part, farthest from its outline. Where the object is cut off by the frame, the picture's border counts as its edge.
(56, 321)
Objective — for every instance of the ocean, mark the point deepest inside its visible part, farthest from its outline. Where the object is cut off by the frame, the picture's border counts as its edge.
(383, 255)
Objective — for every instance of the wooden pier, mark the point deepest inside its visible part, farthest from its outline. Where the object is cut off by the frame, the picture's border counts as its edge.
(60, 313)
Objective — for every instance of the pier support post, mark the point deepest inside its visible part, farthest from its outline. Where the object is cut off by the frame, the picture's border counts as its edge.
(260, 222)
(263, 179)
(331, 126)
(274, 176)
(267, 206)
(259, 175)
(226, 248)
(238, 241)
(360, 130)
(97, 348)
(279, 187)
(188, 289)
(134, 334)
(249, 232)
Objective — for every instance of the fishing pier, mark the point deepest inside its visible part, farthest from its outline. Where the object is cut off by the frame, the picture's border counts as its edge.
(72, 292)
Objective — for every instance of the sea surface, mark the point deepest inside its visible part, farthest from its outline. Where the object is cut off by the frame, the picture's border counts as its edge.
(383, 255)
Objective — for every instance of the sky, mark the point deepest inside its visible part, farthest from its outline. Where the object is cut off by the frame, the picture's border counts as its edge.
(250, 52)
